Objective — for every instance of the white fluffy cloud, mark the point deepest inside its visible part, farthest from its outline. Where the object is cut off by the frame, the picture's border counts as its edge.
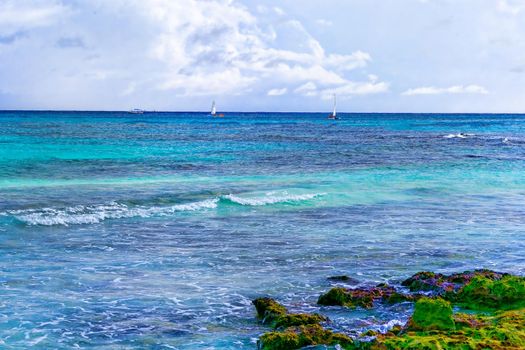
(458, 89)
(219, 47)
(162, 50)
(277, 92)
(181, 54)
(347, 89)
(513, 7)
(22, 15)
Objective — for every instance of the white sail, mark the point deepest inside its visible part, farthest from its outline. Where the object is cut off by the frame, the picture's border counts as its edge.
(213, 109)
(334, 113)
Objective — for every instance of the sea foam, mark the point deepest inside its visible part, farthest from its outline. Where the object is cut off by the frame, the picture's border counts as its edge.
(93, 214)
(458, 136)
(270, 199)
(96, 213)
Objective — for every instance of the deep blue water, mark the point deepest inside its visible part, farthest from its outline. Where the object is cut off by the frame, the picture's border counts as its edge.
(122, 231)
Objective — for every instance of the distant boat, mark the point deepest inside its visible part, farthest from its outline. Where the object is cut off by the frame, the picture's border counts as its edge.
(213, 112)
(136, 111)
(334, 116)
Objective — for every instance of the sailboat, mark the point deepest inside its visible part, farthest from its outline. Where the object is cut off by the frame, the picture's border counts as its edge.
(334, 113)
(213, 112)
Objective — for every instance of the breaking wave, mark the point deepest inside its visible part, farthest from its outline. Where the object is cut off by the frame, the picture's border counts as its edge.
(460, 135)
(93, 214)
(270, 199)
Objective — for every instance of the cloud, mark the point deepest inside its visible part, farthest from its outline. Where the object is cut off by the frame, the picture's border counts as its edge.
(70, 42)
(458, 89)
(219, 47)
(324, 22)
(21, 15)
(510, 7)
(356, 88)
(164, 52)
(11, 38)
(277, 92)
(346, 89)
(307, 89)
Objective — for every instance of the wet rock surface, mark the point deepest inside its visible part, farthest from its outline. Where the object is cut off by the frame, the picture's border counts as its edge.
(495, 319)
(364, 297)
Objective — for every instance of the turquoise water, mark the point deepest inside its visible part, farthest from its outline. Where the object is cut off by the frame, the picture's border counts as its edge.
(122, 231)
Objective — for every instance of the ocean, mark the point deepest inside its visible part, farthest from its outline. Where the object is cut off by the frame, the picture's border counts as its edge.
(155, 231)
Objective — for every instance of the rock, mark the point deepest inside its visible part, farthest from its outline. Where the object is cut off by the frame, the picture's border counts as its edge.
(276, 315)
(442, 284)
(268, 310)
(299, 337)
(343, 278)
(432, 314)
(424, 281)
(503, 331)
(291, 320)
(483, 292)
(363, 297)
(497, 320)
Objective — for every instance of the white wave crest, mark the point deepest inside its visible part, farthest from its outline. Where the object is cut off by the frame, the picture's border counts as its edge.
(93, 214)
(96, 213)
(270, 199)
(459, 136)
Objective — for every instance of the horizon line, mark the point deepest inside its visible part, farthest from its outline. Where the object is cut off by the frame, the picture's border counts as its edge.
(246, 112)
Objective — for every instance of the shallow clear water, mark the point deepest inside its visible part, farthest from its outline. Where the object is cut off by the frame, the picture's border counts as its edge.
(156, 230)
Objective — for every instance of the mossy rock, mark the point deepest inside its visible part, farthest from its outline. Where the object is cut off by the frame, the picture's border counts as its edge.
(276, 315)
(432, 314)
(299, 337)
(503, 331)
(424, 281)
(484, 293)
(291, 320)
(441, 284)
(269, 310)
(335, 297)
(362, 297)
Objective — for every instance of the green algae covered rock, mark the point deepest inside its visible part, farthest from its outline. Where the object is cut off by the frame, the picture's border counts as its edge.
(362, 297)
(335, 296)
(291, 320)
(424, 281)
(503, 331)
(268, 310)
(272, 313)
(496, 320)
(299, 337)
(432, 314)
(436, 282)
(485, 293)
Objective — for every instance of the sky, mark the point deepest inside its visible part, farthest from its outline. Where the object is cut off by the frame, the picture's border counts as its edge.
(285, 55)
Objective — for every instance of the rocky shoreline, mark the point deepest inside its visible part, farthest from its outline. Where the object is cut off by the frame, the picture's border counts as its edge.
(490, 314)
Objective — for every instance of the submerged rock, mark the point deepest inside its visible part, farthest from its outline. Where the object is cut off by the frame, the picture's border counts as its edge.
(363, 297)
(343, 278)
